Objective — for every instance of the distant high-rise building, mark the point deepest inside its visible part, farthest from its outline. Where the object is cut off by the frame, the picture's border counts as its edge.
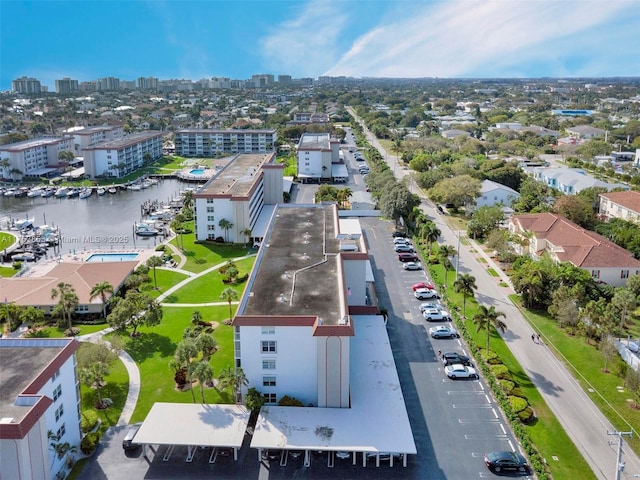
(148, 83)
(284, 79)
(262, 80)
(108, 84)
(66, 85)
(127, 85)
(26, 85)
(88, 87)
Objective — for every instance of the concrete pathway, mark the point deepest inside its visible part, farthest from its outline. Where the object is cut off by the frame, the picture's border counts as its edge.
(573, 407)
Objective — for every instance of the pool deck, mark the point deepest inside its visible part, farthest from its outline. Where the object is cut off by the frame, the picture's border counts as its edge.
(207, 173)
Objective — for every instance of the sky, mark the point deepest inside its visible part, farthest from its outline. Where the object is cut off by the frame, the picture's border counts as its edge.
(86, 40)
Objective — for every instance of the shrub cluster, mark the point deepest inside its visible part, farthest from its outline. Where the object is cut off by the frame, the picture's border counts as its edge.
(89, 421)
(90, 442)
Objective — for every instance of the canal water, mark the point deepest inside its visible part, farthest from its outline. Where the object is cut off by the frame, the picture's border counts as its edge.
(103, 223)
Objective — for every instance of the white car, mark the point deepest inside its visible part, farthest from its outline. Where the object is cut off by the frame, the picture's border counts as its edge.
(425, 294)
(460, 371)
(442, 331)
(412, 266)
(428, 305)
(401, 241)
(433, 314)
(634, 347)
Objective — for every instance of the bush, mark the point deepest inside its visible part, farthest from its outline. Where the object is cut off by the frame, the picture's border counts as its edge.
(17, 265)
(491, 357)
(288, 401)
(517, 404)
(500, 371)
(89, 421)
(517, 392)
(72, 332)
(89, 442)
(507, 386)
(526, 415)
(161, 248)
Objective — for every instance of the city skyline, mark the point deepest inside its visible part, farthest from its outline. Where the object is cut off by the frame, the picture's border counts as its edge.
(194, 40)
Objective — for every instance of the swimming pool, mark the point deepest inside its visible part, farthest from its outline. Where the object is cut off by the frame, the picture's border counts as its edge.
(197, 171)
(111, 257)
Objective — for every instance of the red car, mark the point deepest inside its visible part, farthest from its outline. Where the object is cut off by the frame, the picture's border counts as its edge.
(407, 257)
(422, 285)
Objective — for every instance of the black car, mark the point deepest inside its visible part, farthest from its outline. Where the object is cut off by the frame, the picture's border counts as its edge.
(451, 358)
(271, 454)
(127, 442)
(505, 461)
(398, 233)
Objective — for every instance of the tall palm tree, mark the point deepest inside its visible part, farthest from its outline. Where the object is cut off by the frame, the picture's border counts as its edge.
(154, 262)
(346, 194)
(234, 379)
(430, 233)
(229, 295)
(187, 199)
(465, 284)
(101, 290)
(489, 318)
(247, 234)
(226, 225)
(67, 301)
(444, 252)
(202, 372)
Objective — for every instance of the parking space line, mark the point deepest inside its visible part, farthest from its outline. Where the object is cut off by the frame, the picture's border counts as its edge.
(471, 406)
(465, 421)
(456, 392)
(484, 437)
(503, 430)
(494, 412)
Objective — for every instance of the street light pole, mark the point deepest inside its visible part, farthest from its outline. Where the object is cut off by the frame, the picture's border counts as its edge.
(619, 462)
(458, 256)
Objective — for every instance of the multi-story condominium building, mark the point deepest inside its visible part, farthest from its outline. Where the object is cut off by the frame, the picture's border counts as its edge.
(40, 405)
(624, 205)
(316, 153)
(84, 137)
(148, 83)
(26, 85)
(564, 241)
(571, 181)
(108, 84)
(66, 85)
(239, 194)
(33, 158)
(118, 158)
(303, 118)
(211, 143)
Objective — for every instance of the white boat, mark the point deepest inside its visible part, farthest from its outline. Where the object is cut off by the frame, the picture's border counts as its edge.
(86, 192)
(112, 190)
(146, 230)
(35, 192)
(152, 181)
(61, 192)
(23, 257)
(101, 191)
(134, 187)
(73, 192)
(24, 223)
(10, 192)
(145, 184)
(47, 192)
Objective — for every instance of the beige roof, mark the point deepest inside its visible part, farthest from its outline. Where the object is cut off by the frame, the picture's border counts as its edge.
(581, 247)
(238, 178)
(82, 277)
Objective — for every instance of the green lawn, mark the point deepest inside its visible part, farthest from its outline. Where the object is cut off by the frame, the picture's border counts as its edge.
(7, 271)
(546, 433)
(586, 363)
(56, 332)
(7, 239)
(208, 288)
(166, 279)
(155, 347)
(201, 256)
(492, 272)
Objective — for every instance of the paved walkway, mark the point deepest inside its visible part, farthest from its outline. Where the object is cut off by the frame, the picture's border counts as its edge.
(575, 410)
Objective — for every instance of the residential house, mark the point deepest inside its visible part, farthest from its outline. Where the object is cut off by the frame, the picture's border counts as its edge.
(244, 193)
(585, 132)
(211, 143)
(565, 241)
(453, 133)
(624, 205)
(33, 158)
(40, 405)
(571, 180)
(493, 193)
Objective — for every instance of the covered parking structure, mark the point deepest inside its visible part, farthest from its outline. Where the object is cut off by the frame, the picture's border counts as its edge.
(377, 422)
(193, 426)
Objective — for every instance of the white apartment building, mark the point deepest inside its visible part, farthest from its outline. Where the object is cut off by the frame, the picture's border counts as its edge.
(316, 153)
(239, 193)
(118, 158)
(624, 205)
(40, 407)
(85, 137)
(32, 158)
(211, 143)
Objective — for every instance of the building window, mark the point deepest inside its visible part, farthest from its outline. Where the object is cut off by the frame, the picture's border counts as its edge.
(59, 412)
(211, 228)
(55, 375)
(268, 346)
(269, 381)
(269, 330)
(269, 364)
(624, 274)
(270, 397)
(209, 200)
(210, 210)
(595, 273)
(61, 431)
(57, 393)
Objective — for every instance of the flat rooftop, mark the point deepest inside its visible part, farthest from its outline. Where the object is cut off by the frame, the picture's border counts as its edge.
(222, 131)
(296, 272)
(377, 420)
(125, 142)
(32, 143)
(238, 177)
(314, 141)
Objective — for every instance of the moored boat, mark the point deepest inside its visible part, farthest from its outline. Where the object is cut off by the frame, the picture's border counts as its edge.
(73, 192)
(146, 230)
(47, 192)
(112, 190)
(86, 192)
(61, 192)
(35, 192)
(101, 191)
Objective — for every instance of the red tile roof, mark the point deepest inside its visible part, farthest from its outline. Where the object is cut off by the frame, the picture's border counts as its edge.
(629, 199)
(574, 244)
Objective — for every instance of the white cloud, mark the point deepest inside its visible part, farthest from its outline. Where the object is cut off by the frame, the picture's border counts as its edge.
(461, 38)
(305, 44)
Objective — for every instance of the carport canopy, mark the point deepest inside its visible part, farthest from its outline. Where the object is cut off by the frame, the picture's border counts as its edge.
(180, 424)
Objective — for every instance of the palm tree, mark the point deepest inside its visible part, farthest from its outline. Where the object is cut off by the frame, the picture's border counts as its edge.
(444, 252)
(185, 352)
(346, 193)
(154, 262)
(465, 284)
(247, 234)
(487, 318)
(226, 225)
(228, 295)
(234, 379)
(101, 290)
(202, 372)
(430, 232)
(196, 317)
(68, 300)
(206, 344)
(187, 200)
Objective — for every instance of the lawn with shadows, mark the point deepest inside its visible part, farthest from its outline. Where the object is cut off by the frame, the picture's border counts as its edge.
(166, 279)
(58, 332)
(201, 256)
(155, 347)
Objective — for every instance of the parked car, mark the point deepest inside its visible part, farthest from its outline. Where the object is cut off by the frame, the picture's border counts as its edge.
(427, 305)
(412, 266)
(401, 241)
(271, 454)
(452, 358)
(407, 257)
(403, 248)
(434, 314)
(501, 461)
(425, 294)
(443, 331)
(127, 441)
(634, 347)
(416, 286)
(460, 371)
(397, 233)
